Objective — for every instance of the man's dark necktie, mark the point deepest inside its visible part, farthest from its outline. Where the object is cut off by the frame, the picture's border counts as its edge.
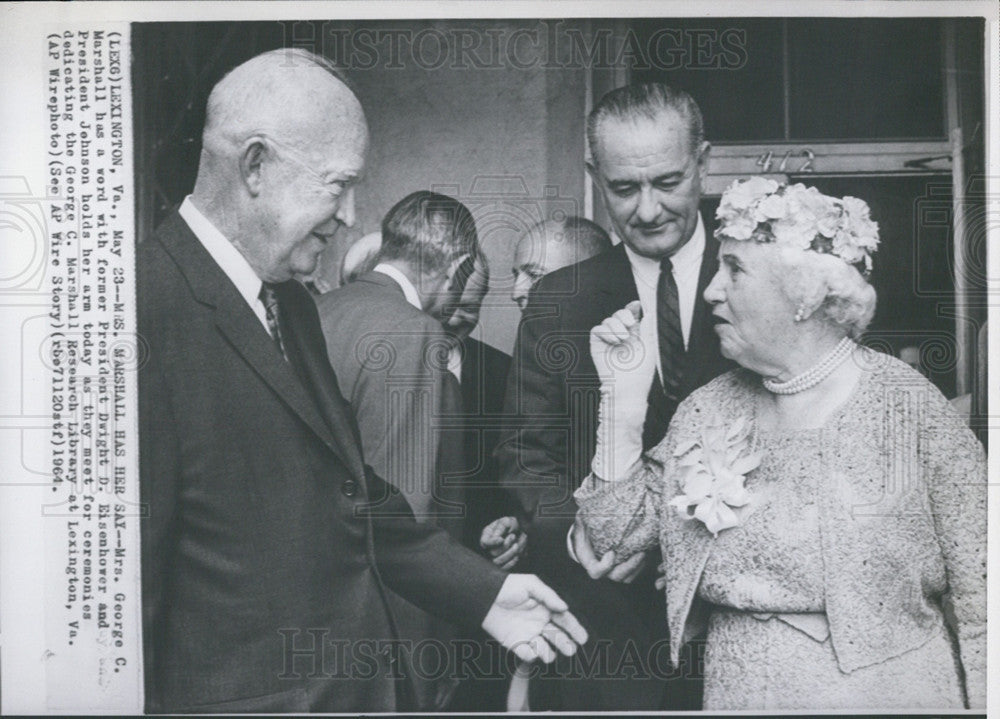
(664, 396)
(668, 331)
(287, 345)
(270, 299)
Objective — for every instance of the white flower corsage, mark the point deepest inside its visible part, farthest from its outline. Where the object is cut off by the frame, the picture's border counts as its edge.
(712, 471)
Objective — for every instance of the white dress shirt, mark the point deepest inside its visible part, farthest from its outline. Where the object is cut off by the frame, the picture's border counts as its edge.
(410, 293)
(226, 256)
(686, 268)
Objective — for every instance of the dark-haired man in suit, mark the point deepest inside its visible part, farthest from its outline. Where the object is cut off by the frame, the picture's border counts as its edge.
(267, 544)
(649, 160)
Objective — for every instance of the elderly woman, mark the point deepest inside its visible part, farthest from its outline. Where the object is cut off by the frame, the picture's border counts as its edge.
(822, 508)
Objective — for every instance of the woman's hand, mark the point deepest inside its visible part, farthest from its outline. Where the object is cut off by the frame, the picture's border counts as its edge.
(504, 540)
(606, 566)
(661, 577)
(618, 351)
(626, 368)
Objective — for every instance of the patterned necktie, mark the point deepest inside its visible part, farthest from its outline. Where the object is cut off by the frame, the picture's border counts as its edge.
(268, 296)
(669, 333)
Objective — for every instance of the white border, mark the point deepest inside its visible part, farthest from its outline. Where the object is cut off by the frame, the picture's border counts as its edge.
(21, 26)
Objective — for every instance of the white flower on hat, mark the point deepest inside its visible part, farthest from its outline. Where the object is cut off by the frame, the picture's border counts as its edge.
(743, 193)
(800, 217)
(771, 207)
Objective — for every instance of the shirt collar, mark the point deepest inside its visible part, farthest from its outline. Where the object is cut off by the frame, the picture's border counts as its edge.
(225, 254)
(409, 291)
(688, 256)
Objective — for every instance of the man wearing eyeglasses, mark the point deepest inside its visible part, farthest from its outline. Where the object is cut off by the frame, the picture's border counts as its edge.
(267, 543)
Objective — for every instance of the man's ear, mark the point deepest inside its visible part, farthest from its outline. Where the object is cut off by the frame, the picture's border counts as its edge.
(453, 267)
(703, 153)
(592, 171)
(252, 155)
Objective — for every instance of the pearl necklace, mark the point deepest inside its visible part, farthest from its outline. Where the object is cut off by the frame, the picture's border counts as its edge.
(815, 374)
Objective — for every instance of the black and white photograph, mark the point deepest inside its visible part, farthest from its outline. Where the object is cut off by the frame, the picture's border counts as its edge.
(499, 358)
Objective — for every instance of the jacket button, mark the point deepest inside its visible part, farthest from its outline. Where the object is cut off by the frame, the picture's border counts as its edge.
(349, 488)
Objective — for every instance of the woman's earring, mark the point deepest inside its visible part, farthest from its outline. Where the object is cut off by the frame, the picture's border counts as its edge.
(800, 314)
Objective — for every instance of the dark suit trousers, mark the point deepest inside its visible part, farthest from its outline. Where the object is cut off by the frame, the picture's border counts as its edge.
(627, 653)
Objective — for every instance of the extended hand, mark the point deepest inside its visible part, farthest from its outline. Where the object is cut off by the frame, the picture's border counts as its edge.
(531, 620)
(617, 348)
(504, 540)
(606, 566)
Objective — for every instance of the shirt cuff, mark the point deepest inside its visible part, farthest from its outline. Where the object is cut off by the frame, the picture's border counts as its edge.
(569, 544)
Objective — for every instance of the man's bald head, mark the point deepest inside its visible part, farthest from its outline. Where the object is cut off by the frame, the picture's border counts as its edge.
(285, 138)
(287, 94)
(553, 244)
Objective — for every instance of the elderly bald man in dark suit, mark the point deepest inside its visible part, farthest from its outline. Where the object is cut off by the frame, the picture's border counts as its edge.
(268, 544)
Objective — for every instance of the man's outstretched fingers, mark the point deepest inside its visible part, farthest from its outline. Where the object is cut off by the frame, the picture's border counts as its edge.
(543, 649)
(559, 639)
(525, 652)
(569, 624)
(544, 594)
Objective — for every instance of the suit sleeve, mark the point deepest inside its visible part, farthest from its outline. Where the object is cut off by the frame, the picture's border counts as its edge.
(533, 453)
(423, 564)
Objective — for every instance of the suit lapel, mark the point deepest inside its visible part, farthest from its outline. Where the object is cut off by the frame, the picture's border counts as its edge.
(612, 282)
(471, 367)
(703, 343)
(260, 352)
(701, 319)
(318, 376)
(239, 325)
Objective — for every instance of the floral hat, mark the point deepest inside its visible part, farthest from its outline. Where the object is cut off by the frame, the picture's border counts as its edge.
(798, 216)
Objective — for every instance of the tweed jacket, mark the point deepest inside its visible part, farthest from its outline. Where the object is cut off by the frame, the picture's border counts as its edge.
(902, 511)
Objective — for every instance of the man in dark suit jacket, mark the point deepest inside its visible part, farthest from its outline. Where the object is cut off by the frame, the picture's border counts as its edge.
(391, 353)
(482, 370)
(649, 161)
(484, 377)
(268, 544)
(544, 248)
